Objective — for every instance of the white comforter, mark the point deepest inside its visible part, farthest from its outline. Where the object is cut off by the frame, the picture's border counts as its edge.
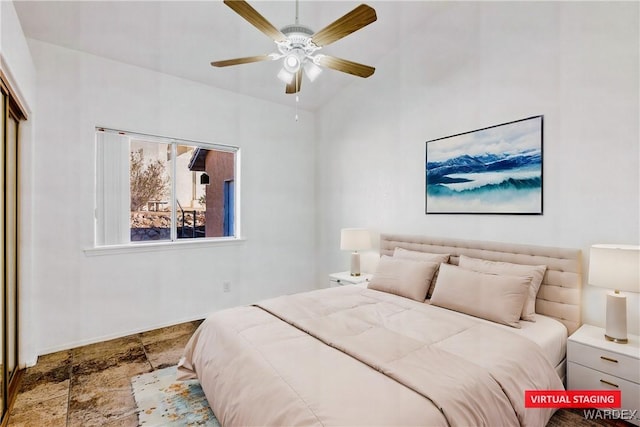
(353, 356)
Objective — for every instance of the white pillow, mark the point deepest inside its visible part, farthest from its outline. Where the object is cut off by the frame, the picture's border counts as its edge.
(489, 296)
(423, 256)
(535, 272)
(403, 277)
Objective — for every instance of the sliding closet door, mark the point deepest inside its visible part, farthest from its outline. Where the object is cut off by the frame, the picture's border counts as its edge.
(10, 116)
(2, 257)
(11, 247)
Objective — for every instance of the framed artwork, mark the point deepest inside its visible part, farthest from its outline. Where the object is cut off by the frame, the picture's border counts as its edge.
(494, 170)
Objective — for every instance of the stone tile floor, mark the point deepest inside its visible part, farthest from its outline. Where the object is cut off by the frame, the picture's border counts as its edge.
(91, 385)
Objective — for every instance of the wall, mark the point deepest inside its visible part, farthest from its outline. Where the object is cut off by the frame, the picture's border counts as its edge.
(474, 65)
(16, 59)
(81, 297)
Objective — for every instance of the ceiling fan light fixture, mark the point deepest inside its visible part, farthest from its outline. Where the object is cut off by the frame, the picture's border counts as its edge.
(285, 76)
(312, 70)
(292, 63)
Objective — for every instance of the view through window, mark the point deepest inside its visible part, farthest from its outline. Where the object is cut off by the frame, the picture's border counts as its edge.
(161, 189)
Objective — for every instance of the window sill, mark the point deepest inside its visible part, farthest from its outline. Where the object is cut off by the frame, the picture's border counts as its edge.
(161, 246)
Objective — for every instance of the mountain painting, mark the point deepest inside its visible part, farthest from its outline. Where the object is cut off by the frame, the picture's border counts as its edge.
(495, 170)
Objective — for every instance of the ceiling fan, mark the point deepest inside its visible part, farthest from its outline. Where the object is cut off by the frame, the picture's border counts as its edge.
(298, 45)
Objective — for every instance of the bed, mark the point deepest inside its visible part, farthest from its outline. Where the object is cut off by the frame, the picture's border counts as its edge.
(381, 356)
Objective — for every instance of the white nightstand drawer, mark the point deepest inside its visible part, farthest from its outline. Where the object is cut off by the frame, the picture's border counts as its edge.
(583, 378)
(609, 362)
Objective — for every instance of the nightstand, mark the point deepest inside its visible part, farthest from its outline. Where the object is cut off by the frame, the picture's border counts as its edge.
(345, 278)
(594, 363)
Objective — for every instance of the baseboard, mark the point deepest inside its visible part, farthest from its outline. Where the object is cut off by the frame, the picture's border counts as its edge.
(29, 363)
(103, 338)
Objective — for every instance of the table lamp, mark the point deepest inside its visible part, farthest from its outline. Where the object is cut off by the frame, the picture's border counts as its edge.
(354, 239)
(615, 267)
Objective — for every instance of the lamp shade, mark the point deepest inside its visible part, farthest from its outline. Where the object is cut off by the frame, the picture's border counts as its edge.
(615, 267)
(354, 239)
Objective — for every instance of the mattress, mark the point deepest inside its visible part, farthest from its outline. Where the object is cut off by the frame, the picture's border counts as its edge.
(546, 332)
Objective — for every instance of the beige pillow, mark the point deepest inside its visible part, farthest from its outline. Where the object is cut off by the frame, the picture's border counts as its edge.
(535, 272)
(403, 277)
(423, 256)
(489, 296)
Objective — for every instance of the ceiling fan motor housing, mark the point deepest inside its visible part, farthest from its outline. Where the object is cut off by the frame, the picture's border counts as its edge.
(298, 36)
(298, 46)
(296, 29)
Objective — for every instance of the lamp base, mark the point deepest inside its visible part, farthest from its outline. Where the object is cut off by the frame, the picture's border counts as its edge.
(618, 340)
(616, 328)
(355, 264)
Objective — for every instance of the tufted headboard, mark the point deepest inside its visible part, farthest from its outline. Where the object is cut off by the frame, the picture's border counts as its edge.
(560, 293)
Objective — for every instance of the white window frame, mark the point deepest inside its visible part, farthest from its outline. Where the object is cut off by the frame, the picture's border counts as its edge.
(112, 229)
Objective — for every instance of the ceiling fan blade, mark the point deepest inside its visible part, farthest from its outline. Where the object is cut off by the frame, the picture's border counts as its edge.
(238, 61)
(294, 86)
(252, 16)
(345, 66)
(358, 18)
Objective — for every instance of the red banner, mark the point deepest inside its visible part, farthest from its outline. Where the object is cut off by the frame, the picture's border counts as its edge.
(572, 399)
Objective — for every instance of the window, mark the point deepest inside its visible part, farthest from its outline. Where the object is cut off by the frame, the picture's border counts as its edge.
(155, 189)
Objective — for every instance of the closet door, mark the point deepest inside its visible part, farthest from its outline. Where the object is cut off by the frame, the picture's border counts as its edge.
(10, 116)
(3, 385)
(11, 247)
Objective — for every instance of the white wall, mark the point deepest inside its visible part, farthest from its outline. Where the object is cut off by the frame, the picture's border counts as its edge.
(80, 298)
(483, 63)
(15, 58)
(476, 64)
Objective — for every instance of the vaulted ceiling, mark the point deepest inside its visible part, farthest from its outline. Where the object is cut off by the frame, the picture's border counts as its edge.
(181, 38)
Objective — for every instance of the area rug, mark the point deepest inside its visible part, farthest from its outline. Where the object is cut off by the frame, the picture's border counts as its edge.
(163, 401)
